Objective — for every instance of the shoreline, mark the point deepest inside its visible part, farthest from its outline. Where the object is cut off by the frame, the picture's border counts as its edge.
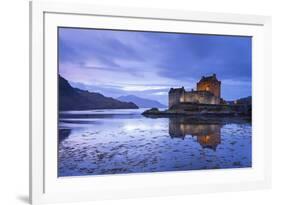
(198, 114)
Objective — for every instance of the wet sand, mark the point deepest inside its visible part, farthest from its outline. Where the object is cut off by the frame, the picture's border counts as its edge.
(127, 142)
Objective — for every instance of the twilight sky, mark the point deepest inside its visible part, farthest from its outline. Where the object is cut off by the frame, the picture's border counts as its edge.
(148, 64)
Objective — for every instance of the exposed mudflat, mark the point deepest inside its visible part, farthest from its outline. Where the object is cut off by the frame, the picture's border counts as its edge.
(124, 141)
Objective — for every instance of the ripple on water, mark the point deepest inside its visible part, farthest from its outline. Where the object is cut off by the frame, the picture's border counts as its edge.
(145, 145)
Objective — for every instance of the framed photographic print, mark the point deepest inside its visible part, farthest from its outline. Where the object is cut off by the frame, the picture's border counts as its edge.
(129, 102)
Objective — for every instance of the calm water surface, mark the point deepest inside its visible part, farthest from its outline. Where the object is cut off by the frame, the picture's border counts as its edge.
(98, 142)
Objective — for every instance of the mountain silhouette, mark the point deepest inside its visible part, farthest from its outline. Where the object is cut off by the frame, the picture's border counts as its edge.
(244, 101)
(141, 102)
(76, 99)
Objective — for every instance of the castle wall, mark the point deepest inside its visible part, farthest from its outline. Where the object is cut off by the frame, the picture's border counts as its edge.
(201, 97)
(192, 97)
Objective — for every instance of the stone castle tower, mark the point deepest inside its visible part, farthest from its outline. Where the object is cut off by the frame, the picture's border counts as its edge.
(211, 84)
(208, 92)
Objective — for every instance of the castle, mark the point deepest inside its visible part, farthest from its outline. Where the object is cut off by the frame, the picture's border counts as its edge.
(208, 92)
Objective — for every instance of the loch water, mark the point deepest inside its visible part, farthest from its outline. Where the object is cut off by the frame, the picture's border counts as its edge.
(98, 142)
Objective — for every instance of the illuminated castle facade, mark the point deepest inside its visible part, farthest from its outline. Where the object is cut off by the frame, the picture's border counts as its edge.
(208, 92)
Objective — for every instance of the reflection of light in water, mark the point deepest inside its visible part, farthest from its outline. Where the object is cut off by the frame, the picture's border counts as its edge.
(142, 126)
(105, 111)
(182, 126)
(207, 135)
(206, 138)
(113, 146)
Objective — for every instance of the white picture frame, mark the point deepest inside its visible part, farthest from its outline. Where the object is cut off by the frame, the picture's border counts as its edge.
(45, 187)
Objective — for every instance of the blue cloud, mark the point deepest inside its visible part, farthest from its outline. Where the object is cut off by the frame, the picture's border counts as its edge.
(197, 55)
(117, 62)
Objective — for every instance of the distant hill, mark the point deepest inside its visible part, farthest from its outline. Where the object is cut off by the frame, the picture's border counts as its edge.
(245, 101)
(141, 102)
(76, 99)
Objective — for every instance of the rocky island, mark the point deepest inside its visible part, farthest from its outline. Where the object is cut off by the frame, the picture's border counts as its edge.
(205, 101)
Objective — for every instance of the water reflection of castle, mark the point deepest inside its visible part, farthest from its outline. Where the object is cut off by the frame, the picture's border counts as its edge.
(207, 135)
